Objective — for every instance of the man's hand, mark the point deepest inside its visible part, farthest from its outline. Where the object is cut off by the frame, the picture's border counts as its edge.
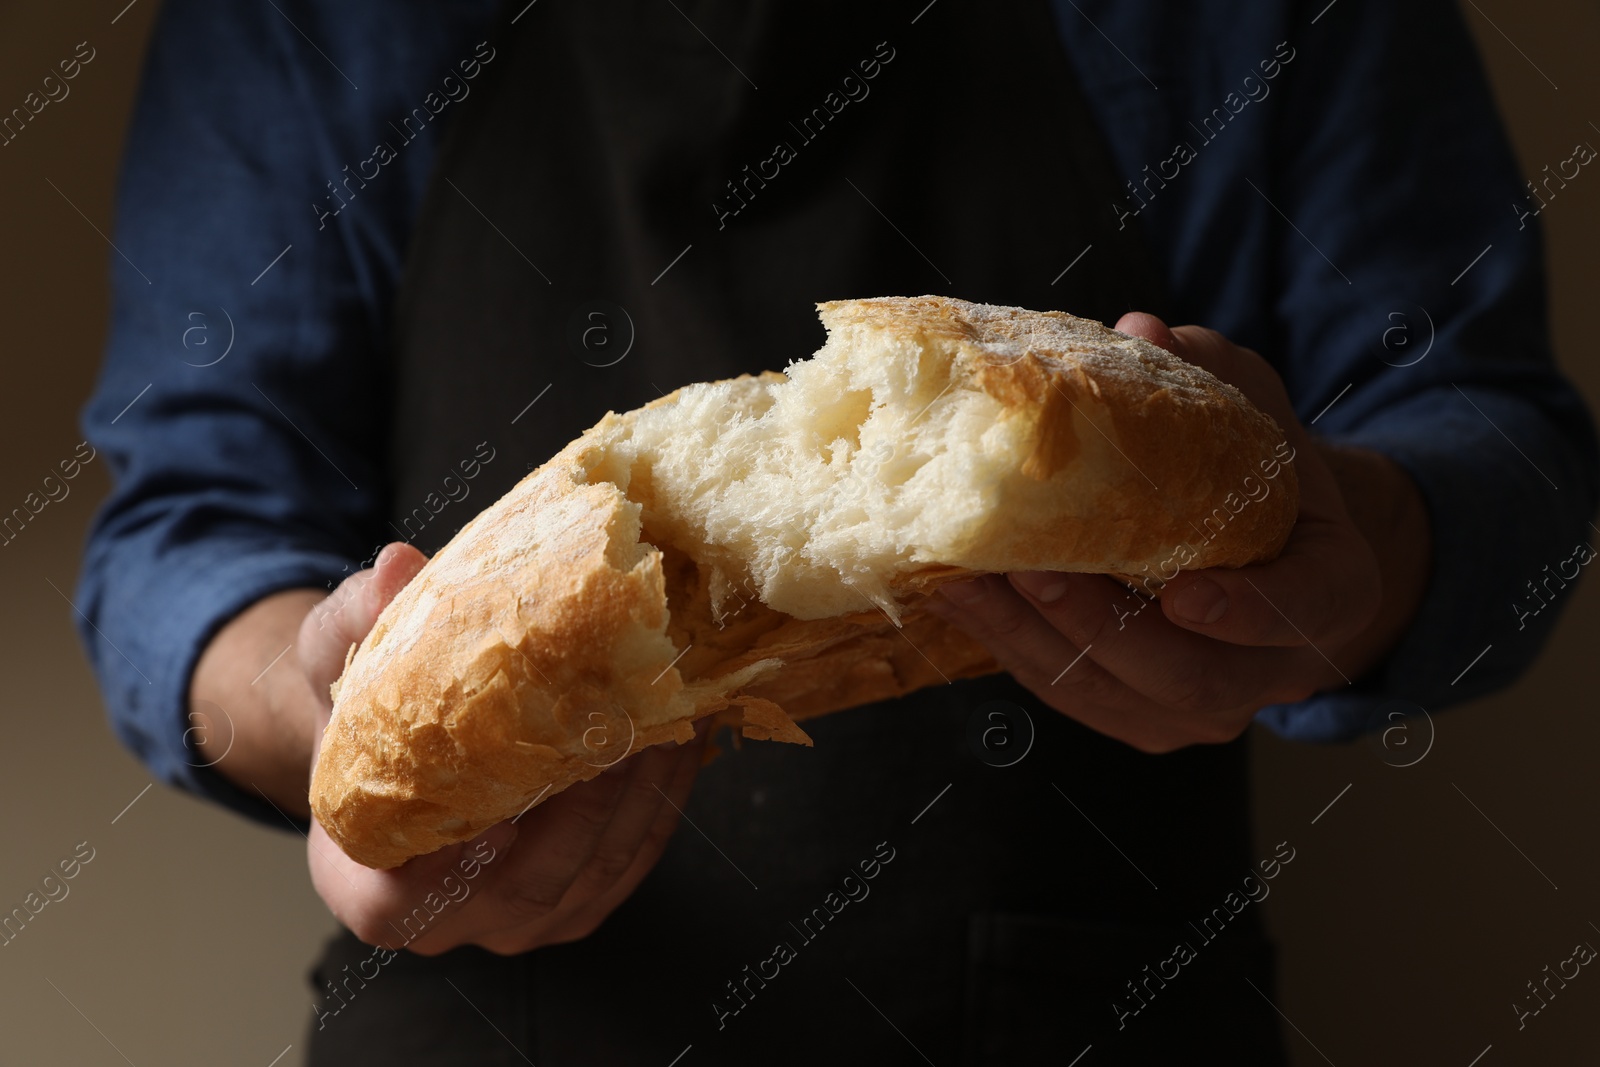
(551, 875)
(1222, 643)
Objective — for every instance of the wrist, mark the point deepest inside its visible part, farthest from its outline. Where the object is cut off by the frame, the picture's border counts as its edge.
(1388, 510)
(250, 692)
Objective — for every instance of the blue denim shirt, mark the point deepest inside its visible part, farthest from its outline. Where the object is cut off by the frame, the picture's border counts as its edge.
(1329, 185)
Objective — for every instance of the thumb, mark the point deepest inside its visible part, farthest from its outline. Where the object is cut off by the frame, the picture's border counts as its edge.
(1323, 589)
(1143, 324)
(393, 570)
(347, 615)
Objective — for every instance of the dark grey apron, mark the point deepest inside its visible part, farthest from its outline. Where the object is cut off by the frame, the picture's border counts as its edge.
(619, 210)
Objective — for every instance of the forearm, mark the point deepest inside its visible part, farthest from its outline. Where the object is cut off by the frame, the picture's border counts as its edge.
(252, 711)
(1389, 511)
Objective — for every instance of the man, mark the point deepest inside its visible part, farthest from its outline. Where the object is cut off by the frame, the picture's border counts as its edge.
(412, 215)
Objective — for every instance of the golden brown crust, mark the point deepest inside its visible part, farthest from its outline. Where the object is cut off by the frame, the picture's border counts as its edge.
(1135, 447)
(545, 641)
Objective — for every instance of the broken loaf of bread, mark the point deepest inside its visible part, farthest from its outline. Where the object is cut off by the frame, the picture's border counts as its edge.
(757, 549)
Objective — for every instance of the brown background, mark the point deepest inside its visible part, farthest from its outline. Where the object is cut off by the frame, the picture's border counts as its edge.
(1408, 923)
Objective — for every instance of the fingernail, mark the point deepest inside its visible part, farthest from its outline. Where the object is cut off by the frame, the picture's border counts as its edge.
(1044, 586)
(1202, 602)
(965, 592)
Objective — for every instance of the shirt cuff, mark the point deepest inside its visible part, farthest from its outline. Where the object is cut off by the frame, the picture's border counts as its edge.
(145, 636)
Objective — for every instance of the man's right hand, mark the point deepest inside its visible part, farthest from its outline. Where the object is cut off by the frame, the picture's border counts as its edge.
(551, 875)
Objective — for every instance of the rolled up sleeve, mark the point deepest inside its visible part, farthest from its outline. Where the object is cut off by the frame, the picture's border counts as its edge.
(241, 406)
(1413, 303)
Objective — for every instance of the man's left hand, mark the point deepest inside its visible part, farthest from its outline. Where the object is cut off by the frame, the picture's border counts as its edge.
(1221, 643)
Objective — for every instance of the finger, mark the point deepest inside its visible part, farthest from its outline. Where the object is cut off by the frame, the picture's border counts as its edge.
(488, 922)
(427, 907)
(346, 615)
(555, 842)
(1321, 591)
(1142, 324)
(344, 618)
(1197, 676)
(587, 904)
(391, 907)
(328, 631)
(644, 797)
(394, 568)
(353, 611)
(650, 849)
(1055, 669)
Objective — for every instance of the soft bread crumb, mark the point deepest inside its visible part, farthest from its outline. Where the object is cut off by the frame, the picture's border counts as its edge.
(896, 445)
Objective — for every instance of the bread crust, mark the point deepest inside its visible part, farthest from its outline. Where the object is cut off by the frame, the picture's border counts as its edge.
(545, 642)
